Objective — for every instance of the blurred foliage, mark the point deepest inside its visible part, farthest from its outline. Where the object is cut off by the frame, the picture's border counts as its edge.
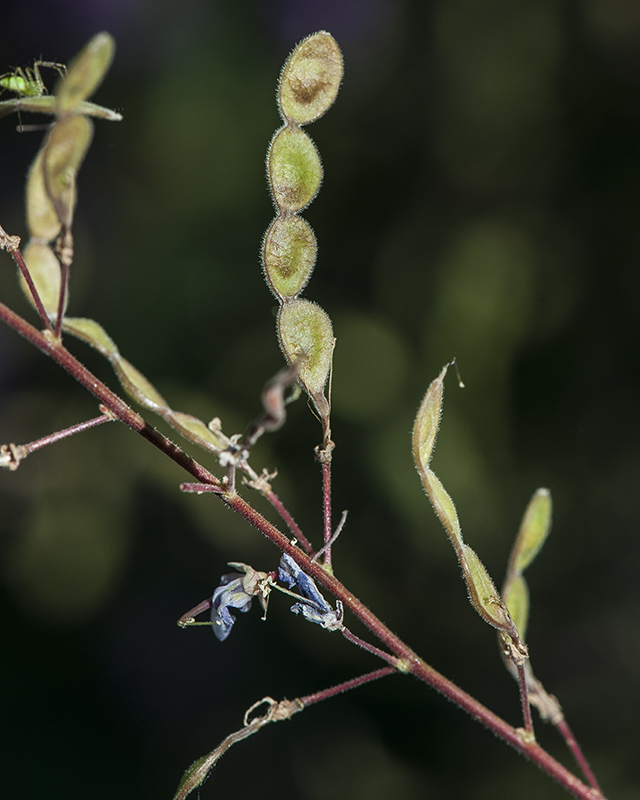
(480, 200)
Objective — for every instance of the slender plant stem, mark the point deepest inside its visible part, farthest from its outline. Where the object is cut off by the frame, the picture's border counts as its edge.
(369, 647)
(290, 522)
(23, 450)
(46, 343)
(326, 511)
(62, 300)
(524, 699)
(411, 662)
(24, 271)
(575, 748)
(325, 694)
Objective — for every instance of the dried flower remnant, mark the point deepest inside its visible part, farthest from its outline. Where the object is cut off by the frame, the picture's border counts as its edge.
(235, 591)
(312, 606)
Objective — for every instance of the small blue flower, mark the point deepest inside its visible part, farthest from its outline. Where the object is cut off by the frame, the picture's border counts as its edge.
(237, 591)
(314, 608)
(230, 594)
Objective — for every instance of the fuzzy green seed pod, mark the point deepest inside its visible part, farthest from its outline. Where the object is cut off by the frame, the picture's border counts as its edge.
(64, 152)
(425, 428)
(42, 219)
(44, 269)
(294, 169)
(85, 72)
(138, 386)
(310, 79)
(288, 256)
(306, 339)
(89, 331)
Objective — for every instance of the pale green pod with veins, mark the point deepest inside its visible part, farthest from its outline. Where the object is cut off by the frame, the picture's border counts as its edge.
(91, 332)
(483, 595)
(42, 219)
(85, 72)
(533, 532)
(516, 596)
(138, 386)
(310, 79)
(63, 154)
(427, 421)
(306, 339)
(44, 269)
(288, 255)
(482, 592)
(294, 168)
(444, 507)
(194, 429)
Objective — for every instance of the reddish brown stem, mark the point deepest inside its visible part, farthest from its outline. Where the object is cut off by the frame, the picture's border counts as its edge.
(290, 522)
(325, 694)
(17, 257)
(411, 662)
(376, 651)
(31, 447)
(575, 748)
(326, 511)
(524, 699)
(45, 342)
(62, 300)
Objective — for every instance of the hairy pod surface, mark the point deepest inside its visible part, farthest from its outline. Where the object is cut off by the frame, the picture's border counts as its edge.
(288, 256)
(310, 79)
(308, 85)
(425, 428)
(482, 592)
(306, 339)
(295, 171)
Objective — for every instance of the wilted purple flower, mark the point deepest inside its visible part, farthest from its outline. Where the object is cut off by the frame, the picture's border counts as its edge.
(237, 591)
(314, 607)
(230, 594)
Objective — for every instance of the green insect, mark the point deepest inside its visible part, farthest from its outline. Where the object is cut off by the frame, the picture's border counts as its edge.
(27, 81)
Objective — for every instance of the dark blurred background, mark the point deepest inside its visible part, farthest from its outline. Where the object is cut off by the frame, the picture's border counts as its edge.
(480, 200)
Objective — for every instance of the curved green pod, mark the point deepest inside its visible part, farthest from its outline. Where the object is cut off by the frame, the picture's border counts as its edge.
(85, 72)
(306, 339)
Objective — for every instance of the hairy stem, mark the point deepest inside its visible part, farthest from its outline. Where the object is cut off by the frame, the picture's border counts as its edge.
(46, 343)
(411, 662)
(325, 694)
(326, 511)
(569, 738)
(524, 699)
(290, 522)
(20, 451)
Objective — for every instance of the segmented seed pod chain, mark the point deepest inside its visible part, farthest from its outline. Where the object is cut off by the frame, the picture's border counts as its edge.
(308, 86)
